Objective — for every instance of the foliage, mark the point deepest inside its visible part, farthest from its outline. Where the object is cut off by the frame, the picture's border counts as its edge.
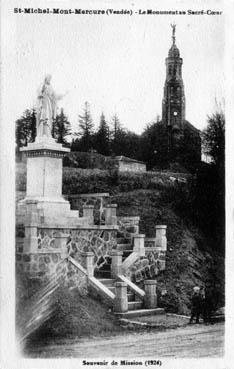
(208, 203)
(154, 145)
(117, 136)
(213, 138)
(61, 128)
(102, 137)
(25, 130)
(84, 142)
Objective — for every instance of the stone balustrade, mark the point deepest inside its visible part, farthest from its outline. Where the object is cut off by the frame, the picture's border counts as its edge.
(88, 213)
(161, 239)
(116, 263)
(128, 226)
(121, 298)
(88, 263)
(150, 299)
(98, 200)
(139, 244)
(110, 214)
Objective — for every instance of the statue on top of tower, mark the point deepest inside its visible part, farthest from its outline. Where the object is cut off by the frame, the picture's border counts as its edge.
(173, 26)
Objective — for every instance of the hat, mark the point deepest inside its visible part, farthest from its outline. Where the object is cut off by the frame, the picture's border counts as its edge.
(196, 289)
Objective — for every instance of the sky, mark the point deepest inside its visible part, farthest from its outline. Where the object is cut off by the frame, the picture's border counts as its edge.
(116, 63)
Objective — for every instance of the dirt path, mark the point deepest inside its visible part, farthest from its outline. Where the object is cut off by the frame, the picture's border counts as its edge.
(190, 342)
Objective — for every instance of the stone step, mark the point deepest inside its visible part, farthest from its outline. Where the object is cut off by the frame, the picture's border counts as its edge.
(121, 240)
(111, 288)
(126, 253)
(141, 312)
(104, 274)
(105, 267)
(134, 305)
(131, 297)
(125, 235)
(108, 282)
(124, 246)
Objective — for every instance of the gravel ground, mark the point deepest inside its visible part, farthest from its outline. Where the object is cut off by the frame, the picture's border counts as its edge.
(192, 341)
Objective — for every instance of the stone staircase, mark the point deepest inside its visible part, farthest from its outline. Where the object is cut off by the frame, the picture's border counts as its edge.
(135, 304)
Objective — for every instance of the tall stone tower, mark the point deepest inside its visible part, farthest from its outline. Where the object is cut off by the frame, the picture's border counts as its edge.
(173, 104)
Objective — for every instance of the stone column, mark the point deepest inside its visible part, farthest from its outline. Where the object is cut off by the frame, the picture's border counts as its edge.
(121, 298)
(161, 238)
(88, 263)
(139, 244)
(88, 213)
(150, 294)
(116, 263)
(110, 214)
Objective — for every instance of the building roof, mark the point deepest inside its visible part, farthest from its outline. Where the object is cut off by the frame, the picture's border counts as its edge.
(128, 160)
(190, 126)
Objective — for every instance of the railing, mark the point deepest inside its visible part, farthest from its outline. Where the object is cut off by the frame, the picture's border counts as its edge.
(134, 288)
(94, 283)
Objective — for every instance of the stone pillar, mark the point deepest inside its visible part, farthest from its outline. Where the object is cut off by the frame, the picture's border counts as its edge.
(110, 214)
(61, 244)
(116, 263)
(88, 213)
(88, 263)
(121, 298)
(31, 224)
(139, 244)
(150, 294)
(161, 238)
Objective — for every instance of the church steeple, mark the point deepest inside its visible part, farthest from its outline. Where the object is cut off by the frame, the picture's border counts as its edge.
(173, 105)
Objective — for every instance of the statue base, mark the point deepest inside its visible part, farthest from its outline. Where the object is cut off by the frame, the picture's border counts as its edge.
(44, 184)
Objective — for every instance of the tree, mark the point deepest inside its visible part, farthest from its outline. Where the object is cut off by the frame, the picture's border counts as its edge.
(131, 145)
(86, 131)
(61, 128)
(25, 129)
(154, 145)
(102, 137)
(117, 136)
(213, 138)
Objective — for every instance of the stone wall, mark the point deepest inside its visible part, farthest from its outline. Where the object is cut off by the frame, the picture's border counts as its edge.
(128, 226)
(148, 266)
(53, 245)
(99, 241)
(136, 167)
(40, 264)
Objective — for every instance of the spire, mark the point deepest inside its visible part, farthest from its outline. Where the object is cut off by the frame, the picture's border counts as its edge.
(173, 26)
(173, 110)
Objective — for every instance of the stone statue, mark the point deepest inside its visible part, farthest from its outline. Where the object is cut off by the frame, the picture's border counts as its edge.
(173, 26)
(46, 110)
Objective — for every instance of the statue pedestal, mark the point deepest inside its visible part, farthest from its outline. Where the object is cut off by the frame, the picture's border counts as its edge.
(44, 183)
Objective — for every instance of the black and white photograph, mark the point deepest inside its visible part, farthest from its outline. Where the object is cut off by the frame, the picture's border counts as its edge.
(115, 238)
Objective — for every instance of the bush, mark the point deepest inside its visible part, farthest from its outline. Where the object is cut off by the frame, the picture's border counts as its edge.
(76, 181)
